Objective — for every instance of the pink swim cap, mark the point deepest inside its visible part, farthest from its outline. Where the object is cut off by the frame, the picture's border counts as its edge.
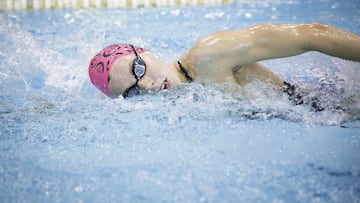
(102, 62)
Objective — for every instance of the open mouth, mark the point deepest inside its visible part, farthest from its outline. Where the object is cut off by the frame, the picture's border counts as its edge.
(166, 84)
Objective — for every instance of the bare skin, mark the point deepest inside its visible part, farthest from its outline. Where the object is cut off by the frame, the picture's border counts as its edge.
(233, 55)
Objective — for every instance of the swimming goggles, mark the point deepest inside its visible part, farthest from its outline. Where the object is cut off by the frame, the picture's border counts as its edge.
(139, 69)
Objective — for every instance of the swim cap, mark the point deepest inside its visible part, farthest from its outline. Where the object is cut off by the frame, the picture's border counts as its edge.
(102, 62)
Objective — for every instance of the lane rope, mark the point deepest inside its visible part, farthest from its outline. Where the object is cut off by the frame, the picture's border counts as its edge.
(8, 5)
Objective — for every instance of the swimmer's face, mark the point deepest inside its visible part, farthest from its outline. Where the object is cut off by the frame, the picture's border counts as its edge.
(157, 76)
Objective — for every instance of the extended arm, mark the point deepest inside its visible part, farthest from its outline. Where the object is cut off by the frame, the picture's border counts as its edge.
(273, 41)
(222, 51)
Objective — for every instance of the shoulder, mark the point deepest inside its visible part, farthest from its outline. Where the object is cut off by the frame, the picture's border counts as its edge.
(231, 47)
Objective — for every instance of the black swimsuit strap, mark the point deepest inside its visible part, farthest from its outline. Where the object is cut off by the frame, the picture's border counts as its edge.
(184, 71)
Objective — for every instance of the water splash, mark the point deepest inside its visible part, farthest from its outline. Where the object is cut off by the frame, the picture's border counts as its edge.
(62, 139)
(30, 64)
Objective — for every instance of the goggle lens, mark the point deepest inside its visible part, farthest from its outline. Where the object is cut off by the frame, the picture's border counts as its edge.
(139, 69)
(132, 91)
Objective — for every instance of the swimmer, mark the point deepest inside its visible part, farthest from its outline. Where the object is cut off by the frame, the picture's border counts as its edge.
(224, 56)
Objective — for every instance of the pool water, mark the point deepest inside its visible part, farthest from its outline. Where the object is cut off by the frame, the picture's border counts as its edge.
(61, 140)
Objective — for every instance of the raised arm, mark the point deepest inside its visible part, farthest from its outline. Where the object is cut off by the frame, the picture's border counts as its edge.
(222, 51)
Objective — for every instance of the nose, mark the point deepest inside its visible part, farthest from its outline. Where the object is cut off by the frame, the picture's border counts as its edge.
(148, 84)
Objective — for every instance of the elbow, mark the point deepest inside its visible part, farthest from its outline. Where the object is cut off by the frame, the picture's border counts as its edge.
(318, 26)
(315, 36)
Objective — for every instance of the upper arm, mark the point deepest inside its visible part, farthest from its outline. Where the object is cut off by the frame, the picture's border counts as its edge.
(215, 55)
(266, 41)
(250, 45)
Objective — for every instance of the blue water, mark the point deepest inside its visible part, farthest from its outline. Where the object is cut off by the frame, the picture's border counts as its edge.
(61, 140)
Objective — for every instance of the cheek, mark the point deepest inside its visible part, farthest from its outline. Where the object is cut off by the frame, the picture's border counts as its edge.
(155, 76)
(152, 80)
(150, 83)
(118, 87)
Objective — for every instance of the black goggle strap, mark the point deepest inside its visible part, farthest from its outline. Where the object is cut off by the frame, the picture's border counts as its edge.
(139, 66)
(132, 46)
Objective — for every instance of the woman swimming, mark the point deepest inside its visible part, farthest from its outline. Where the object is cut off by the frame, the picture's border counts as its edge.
(225, 56)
